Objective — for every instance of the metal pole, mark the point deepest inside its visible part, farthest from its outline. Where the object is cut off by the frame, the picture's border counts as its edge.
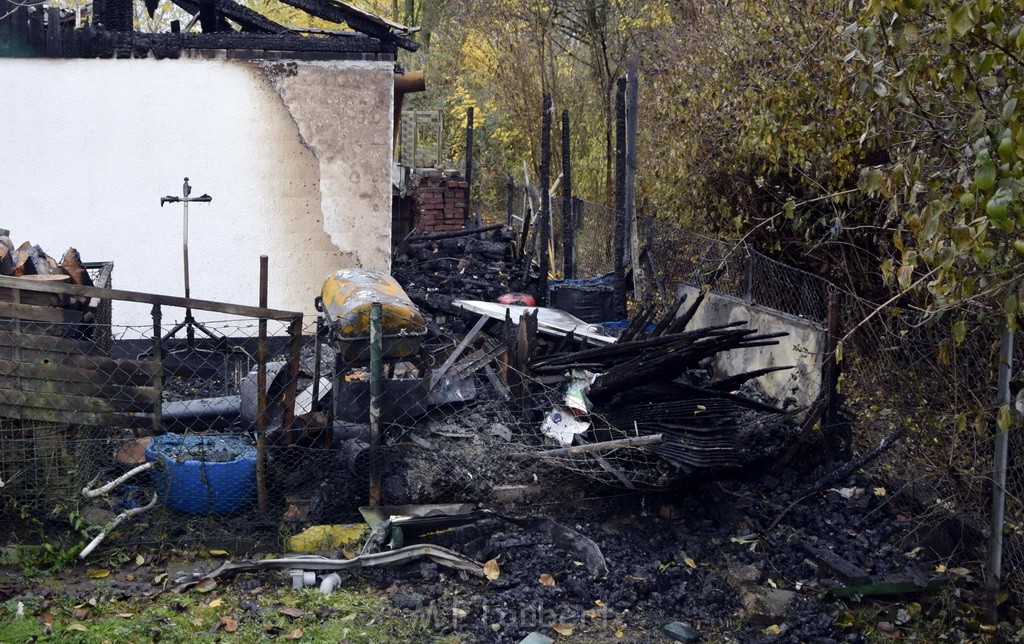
(189, 331)
(261, 396)
(375, 394)
(995, 549)
(158, 379)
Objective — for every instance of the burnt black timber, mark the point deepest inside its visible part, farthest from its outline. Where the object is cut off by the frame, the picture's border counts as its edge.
(339, 13)
(63, 41)
(106, 44)
(147, 298)
(250, 21)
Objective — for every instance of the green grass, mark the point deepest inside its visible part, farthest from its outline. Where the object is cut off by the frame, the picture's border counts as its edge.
(356, 615)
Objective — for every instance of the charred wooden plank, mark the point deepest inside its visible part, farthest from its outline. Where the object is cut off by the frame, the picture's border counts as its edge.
(121, 398)
(74, 374)
(25, 412)
(39, 313)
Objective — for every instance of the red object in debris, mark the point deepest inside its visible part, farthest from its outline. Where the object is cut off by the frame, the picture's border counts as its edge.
(517, 298)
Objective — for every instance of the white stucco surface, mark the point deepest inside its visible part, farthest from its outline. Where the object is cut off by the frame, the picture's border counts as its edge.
(802, 348)
(88, 147)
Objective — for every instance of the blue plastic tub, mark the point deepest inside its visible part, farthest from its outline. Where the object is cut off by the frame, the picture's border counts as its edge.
(203, 474)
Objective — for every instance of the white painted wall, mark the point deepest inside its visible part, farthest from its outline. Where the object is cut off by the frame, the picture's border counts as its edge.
(803, 348)
(88, 147)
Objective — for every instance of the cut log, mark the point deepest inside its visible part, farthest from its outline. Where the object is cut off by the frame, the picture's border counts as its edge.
(23, 264)
(6, 263)
(71, 264)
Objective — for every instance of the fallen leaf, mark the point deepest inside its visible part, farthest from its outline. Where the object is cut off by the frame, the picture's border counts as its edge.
(78, 627)
(690, 562)
(491, 570)
(564, 629)
(598, 602)
(963, 572)
(256, 591)
(206, 584)
(139, 560)
(126, 615)
(879, 491)
(159, 578)
(230, 623)
(348, 554)
(774, 629)
(348, 618)
(197, 622)
(296, 634)
(80, 613)
(47, 617)
(218, 553)
(129, 577)
(940, 569)
(619, 633)
(92, 601)
(547, 580)
(289, 611)
(99, 574)
(215, 603)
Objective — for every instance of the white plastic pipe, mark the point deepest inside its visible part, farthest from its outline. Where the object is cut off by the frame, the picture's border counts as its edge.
(329, 583)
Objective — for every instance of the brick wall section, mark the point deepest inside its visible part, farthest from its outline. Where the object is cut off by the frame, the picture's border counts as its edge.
(439, 203)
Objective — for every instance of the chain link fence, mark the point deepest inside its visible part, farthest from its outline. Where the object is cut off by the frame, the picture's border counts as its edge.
(465, 421)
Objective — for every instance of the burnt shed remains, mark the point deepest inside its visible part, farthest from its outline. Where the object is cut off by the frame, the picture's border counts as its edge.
(28, 30)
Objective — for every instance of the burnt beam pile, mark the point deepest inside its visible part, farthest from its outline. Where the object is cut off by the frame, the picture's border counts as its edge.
(658, 381)
(471, 264)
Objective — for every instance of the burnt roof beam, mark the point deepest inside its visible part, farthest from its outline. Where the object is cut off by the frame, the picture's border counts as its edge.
(340, 13)
(247, 19)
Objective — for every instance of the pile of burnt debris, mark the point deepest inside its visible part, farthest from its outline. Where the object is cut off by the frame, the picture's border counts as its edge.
(633, 404)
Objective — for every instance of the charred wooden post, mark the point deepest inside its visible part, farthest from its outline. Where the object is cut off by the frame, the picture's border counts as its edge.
(633, 244)
(568, 223)
(545, 200)
(261, 396)
(510, 189)
(291, 389)
(376, 389)
(469, 164)
(317, 362)
(620, 200)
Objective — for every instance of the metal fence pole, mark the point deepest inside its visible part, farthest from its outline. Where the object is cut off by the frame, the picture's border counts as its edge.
(376, 372)
(261, 396)
(158, 358)
(995, 546)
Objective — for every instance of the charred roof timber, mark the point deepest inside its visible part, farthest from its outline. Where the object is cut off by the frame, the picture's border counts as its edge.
(28, 31)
